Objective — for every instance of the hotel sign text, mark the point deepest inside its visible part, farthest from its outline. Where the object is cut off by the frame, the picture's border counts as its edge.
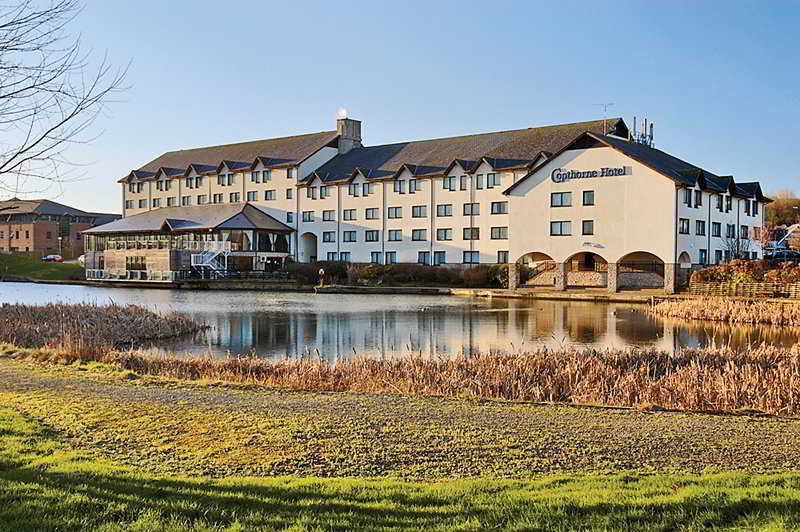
(560, 175)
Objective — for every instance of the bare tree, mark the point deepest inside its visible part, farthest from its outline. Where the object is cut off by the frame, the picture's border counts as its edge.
(737, 247)
(50, 92)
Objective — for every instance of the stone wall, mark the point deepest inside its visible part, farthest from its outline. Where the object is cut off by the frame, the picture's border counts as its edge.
(639, 280)
(592, 279)
(543, 279)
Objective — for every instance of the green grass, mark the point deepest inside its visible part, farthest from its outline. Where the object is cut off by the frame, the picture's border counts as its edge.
(24, 266)
(45, 484)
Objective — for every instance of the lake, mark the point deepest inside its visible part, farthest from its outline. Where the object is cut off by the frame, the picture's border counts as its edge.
(334, 326)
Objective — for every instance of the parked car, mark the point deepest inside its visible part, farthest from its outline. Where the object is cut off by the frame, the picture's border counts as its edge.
(784, 255)
(52, 258)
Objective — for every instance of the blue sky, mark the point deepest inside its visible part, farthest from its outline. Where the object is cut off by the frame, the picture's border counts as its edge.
(721, 80)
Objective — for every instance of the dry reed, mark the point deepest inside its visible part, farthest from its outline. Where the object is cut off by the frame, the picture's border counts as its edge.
(722, 380)
(86, 329)
(731, 310)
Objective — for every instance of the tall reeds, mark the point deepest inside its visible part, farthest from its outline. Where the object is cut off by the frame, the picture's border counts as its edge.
(731, 310)
(85, 329)
(765, 378)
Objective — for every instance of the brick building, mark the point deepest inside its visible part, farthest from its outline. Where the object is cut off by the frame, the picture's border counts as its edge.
(42, 227)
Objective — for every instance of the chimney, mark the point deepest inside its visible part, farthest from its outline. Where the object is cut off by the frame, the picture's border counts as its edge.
(349, 131)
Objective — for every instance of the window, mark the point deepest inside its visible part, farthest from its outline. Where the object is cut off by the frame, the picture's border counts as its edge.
(231, 179)
(186, 201)
(198, 181)
(471, 257)
(189, 182)
(561, 199)
(400, 186)
(716, 229)
(587, 227)
(290, 173)
(163, 184)
(479, 181)
(255, 177)
(156, 202)
(687, 197)
(445, 209)
(289, 217)
(266, 175)
(728, 203)
(703, 256)
(332, 256)
(140, 187)
(371, 213)
(755, 207)
(747, 207)
(288, 193)
(698, 201)
(700, 228)
(367, 189)
(727, 255)
(391, 257)
(308, 216)
(444, 234)
(269, 195)
(462, 183)
(344, 256)
(419, 234)
(449, 183)
(131, 187)
(202, 199)
(472, 209)
(395, 212)
(352, 189)
(419, 211)
(414, 185)
(717, 256)
(129, 204)
(494, 180)
(311, 192)
(423, 257)
(499, 233)
(252, 196)
(349, 214)
(327, 216)
(135, 263)
(560, 228)
(471, 233)
(323, 192)
(329, 236)
(588, 197)
(49, 235)
(499, 207)
(234, 197)
(743, 234)
(375, 257)
(395, 235)
(683, 228)
(730, 231)
(371, 236)
(719, 202)
(348, 236)
(502, 257)
(172, 201)
(439, 257)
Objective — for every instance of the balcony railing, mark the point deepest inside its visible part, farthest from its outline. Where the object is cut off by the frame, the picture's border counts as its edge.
(136, 275)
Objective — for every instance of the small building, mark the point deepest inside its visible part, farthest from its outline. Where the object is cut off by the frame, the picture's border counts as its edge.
(175, 243)
(43, 227)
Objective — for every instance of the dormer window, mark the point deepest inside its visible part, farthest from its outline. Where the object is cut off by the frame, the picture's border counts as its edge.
(719, 202)
(747, 207)
(728, 203)
(221, 180)
(352, 189)
(755, 207)
(189, 182)
(290, 173)
(230, 179)
(687, 197)
(698, 198)
(255, 177)
(266, 175)
(400, 186)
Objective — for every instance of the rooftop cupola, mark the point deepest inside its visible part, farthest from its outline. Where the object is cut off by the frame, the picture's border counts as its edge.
(349, 131)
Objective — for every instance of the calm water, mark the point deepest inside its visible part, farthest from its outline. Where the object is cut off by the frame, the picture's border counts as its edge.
(338, 326)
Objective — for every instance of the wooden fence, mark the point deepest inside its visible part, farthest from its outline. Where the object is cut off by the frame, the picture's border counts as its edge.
(790, 290)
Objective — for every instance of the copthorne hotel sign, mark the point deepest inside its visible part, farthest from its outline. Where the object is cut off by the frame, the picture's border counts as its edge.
(560, 175)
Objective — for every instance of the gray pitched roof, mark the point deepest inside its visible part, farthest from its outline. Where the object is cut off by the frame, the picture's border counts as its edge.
(520, 145)
(44, 206)
(200, 217)
(294, 148)
(668, 165)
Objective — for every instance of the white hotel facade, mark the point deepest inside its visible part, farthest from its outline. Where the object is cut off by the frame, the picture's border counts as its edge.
(581, 204)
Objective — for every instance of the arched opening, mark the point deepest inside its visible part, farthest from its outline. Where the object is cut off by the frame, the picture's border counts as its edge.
(308, 247)
(587, 270)
(537, 269)
(640, 269)
(684, 268)
(685, 260)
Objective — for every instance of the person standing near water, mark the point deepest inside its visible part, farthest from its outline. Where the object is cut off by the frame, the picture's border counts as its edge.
(321, 277)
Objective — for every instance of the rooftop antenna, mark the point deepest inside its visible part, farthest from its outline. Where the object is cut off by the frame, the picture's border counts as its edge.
(605, 107)
(645, 136)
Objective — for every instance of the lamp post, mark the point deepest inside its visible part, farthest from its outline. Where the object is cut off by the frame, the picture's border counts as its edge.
(59, 244)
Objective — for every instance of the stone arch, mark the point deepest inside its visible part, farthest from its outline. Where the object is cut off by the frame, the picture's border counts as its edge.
(640, 269)
(685, 260)
(536, 269)
(586, 269)
(308, 247)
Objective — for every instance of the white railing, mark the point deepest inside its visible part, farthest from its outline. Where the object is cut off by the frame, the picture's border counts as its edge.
(135, 275)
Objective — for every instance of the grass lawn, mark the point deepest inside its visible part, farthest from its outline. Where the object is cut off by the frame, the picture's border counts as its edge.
(23, 266)
(92, 447)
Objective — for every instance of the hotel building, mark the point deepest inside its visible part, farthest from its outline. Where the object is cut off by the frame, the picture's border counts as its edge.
(579, 204)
